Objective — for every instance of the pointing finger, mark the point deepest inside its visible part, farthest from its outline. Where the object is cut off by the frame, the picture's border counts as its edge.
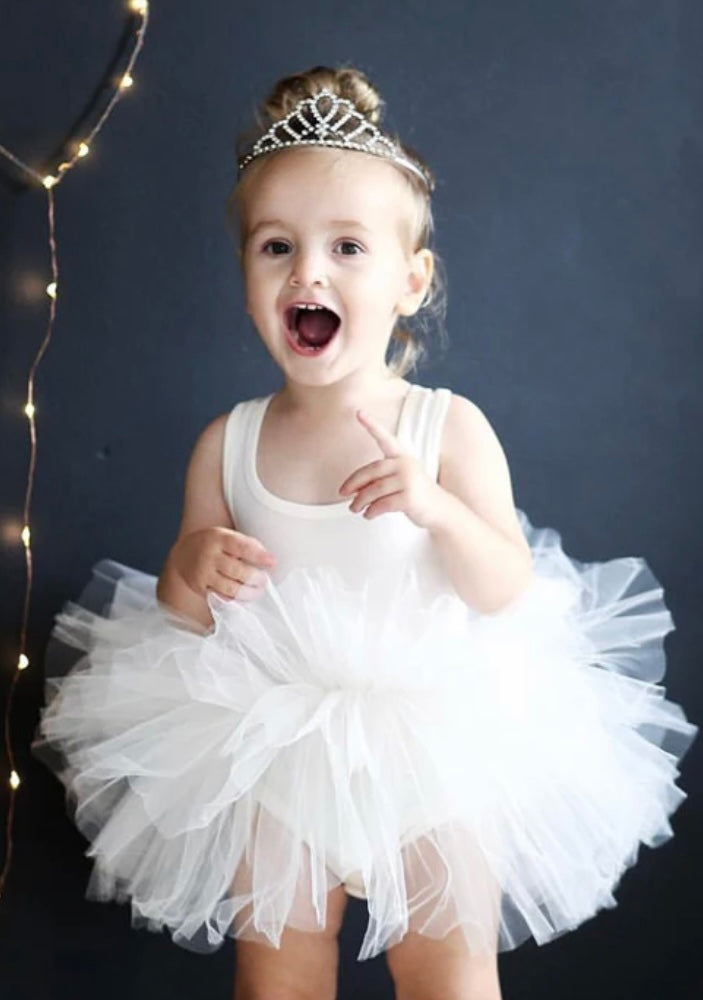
(387, 442)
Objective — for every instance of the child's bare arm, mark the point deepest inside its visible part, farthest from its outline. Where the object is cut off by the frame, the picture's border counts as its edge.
(477, 531)
(203, 506)
(208, 541)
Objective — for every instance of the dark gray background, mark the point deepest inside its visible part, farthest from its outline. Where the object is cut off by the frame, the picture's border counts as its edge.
(567, 140)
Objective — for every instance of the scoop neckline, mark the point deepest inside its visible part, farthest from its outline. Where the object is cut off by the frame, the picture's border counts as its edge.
(276, 502)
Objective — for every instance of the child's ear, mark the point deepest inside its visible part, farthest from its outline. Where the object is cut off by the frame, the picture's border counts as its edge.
(418, 282)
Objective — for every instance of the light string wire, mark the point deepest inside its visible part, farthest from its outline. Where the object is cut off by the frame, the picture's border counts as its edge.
(139, 10)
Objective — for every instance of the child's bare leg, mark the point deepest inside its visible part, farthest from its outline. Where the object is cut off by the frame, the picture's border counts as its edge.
(425, 968)
(431, 968)
(303, 968)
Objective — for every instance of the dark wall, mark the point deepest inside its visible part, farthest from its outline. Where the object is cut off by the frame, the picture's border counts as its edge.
(567, 139)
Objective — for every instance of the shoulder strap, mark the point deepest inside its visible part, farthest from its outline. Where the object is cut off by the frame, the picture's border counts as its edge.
(237, 442)
(427, 412)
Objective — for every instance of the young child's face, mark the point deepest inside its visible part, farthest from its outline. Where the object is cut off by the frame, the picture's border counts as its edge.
(333, 228)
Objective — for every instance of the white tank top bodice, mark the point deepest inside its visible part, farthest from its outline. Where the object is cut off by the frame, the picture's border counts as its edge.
(312, 535)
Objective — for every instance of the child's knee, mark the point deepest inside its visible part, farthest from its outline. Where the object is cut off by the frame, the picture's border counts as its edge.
(423, 968)
(303, 968)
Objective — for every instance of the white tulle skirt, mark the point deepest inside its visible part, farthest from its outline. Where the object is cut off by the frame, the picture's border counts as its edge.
(495, 773)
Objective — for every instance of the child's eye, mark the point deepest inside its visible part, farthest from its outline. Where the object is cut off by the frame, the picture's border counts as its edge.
(275, 247)
(349, 248)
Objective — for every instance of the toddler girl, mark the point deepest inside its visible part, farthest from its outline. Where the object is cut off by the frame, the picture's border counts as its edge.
(361, 672)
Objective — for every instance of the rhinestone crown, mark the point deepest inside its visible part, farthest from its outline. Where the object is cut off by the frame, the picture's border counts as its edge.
(319, 121)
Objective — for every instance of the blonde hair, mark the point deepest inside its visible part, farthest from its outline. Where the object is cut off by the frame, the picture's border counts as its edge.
(408, 340)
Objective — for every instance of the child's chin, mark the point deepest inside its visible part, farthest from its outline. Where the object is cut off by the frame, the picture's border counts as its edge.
(312, 377)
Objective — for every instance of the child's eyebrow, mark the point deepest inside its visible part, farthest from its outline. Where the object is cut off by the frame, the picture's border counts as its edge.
(349, 224)
(336, 223)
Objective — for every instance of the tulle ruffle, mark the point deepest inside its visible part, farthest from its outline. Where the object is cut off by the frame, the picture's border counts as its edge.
(496, 773)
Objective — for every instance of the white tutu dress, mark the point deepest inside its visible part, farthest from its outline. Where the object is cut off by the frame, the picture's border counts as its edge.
(358, 724)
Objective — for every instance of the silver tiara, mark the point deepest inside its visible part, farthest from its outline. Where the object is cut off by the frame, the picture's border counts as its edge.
(309, 124)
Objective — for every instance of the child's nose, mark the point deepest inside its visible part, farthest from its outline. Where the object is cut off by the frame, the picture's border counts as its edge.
(308, 268)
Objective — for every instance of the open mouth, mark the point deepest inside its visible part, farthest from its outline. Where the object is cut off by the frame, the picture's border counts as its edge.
(311, 327)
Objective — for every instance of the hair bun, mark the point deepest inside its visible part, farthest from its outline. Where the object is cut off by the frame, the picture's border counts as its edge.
(346, 82)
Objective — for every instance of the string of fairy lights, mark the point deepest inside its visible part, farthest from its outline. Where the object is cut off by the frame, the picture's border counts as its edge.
(77, 147)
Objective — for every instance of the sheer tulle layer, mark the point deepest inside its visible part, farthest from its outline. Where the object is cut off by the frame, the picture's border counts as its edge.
(496, 773)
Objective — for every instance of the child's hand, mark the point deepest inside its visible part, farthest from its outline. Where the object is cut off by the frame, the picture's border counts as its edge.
(396, 482)
(231, 564)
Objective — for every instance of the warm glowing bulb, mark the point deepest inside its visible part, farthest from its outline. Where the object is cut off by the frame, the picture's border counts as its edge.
(49, 181)
(138, 6)
(51, 290)
(25, 536)
(29, 409)
(126, 81)
(62, 167)
(23, 662)
(83, 149)
(14, 779)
